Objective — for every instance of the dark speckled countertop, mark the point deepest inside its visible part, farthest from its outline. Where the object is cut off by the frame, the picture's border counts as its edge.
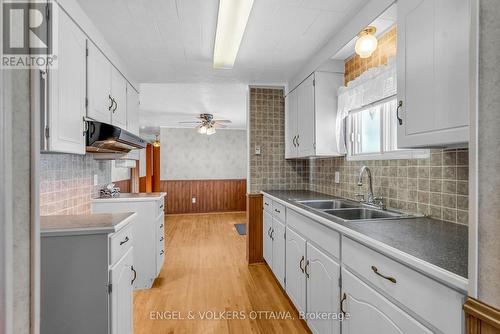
(440, 243)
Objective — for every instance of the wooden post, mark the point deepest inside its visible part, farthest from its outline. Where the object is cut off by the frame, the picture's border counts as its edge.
(156, 168)
(149, 168)
(254, 228)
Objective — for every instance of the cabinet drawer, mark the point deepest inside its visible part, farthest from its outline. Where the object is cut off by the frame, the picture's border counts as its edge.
(319, 234)
(431, 301)
(268, 204)
(119, 243)
(279, 211)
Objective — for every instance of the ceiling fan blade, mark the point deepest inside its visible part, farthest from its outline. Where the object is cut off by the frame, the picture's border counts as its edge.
(191, 122)
(218, 125)
(222, 121)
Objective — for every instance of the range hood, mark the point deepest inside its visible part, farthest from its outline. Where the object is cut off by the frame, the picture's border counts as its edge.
(107, 138)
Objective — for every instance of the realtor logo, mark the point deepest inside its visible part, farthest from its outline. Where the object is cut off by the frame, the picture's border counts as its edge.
(28, 38)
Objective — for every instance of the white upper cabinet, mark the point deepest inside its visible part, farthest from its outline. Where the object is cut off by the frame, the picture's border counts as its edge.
(310, 116)
(433, 72)
(107, 90)
(66, 88)
(99, 85)
(132, 110)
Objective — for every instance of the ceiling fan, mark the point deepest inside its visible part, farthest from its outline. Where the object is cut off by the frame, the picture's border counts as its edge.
(206, 124)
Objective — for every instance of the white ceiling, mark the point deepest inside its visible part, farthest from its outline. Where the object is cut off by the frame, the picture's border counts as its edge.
(165, 105)
(164, 41)
(385, 21)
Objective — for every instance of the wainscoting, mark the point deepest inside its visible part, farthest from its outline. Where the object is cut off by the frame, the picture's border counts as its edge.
(481, 318)
(211, 195)
(124, 185)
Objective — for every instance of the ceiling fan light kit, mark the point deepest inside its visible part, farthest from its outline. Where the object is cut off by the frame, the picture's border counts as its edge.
(207, 124)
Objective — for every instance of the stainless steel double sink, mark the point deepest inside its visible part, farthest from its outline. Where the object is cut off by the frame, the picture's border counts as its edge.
(352, 211)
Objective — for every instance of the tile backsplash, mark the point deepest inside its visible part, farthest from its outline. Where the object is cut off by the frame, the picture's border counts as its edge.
(270, 170)
(67, 183)
(436, 186)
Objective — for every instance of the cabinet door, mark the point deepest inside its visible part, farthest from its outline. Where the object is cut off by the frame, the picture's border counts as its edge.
(305, 119)
(433, 72)
(279, 251)
(291, 125)
(323, 291)
(119, 94)
(294, 267)
(132, 110)
(66, 103)
(370, 312)
(98, 85)
(121, 303)
(267, 242)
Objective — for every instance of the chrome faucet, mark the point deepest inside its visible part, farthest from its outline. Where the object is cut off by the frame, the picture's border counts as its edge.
(371, 200)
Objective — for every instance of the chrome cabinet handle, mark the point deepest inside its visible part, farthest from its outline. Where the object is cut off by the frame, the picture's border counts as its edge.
(161, 225)
(298, 142)
(266, 204)
(110, 100)
(400, 105)
(344, 297)
(269, 232)
(389, 278)
(272, 234)
(301, 263)
(116, 105)
(162, 252)
(305, 269)
(161, 238)
(294, 141)
(135, 275)
(278, 211)
(124, 241)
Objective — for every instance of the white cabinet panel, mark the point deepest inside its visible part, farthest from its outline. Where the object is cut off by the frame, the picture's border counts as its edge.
(278, 238)
(370, 312)
(291, 125)
(119, 95)
(433, 72)
(132, 110)
(305, 118)
(267, 242)
(323, 291)
(121, 297)
(310, 117)
(66, 102)
(99, 85)
(294, 267)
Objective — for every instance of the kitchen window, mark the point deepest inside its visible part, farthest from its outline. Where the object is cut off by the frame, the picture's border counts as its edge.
(367, 116)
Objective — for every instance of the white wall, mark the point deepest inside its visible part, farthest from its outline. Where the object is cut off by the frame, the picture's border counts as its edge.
(188, 155)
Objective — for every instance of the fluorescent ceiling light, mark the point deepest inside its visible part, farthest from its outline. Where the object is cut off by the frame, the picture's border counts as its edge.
(231, 23)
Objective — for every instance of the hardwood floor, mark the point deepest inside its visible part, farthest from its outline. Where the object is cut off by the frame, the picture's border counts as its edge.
(206, 273)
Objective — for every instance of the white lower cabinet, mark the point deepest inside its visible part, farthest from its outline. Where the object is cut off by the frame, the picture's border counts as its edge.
(370, 312)
(274, 246)
(295, 271)
(323, 291)
(121, 306)
(267, 242)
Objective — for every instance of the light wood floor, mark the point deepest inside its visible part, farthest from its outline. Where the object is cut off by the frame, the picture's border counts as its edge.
(205, 272)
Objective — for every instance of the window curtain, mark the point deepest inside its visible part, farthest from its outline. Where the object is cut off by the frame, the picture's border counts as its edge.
(376, 84)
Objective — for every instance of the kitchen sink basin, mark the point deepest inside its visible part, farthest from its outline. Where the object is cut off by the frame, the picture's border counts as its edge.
(365, 214)
(329, 204)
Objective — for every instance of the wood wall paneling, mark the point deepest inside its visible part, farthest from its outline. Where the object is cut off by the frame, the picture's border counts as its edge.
(148, 186)
(210, 195)
(156, 169)
(134, 178)
(254, 228)
(481, 318)
(124, 185)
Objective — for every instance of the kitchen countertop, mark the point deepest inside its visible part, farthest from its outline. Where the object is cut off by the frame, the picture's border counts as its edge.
(442, 244)
(99, 223)
(132, 197)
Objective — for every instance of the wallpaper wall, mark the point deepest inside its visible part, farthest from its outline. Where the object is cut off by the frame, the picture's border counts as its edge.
(67, 183)
(270, 170)
(188, 155)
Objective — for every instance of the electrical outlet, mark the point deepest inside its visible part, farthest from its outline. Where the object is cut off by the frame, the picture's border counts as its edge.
(337, 177)
(257, 150)
(96, 180)
(193, 200)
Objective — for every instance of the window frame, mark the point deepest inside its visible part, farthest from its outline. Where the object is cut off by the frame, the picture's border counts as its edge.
(388, 134)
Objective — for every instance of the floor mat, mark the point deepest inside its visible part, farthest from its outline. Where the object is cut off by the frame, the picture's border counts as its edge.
(241, 228)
